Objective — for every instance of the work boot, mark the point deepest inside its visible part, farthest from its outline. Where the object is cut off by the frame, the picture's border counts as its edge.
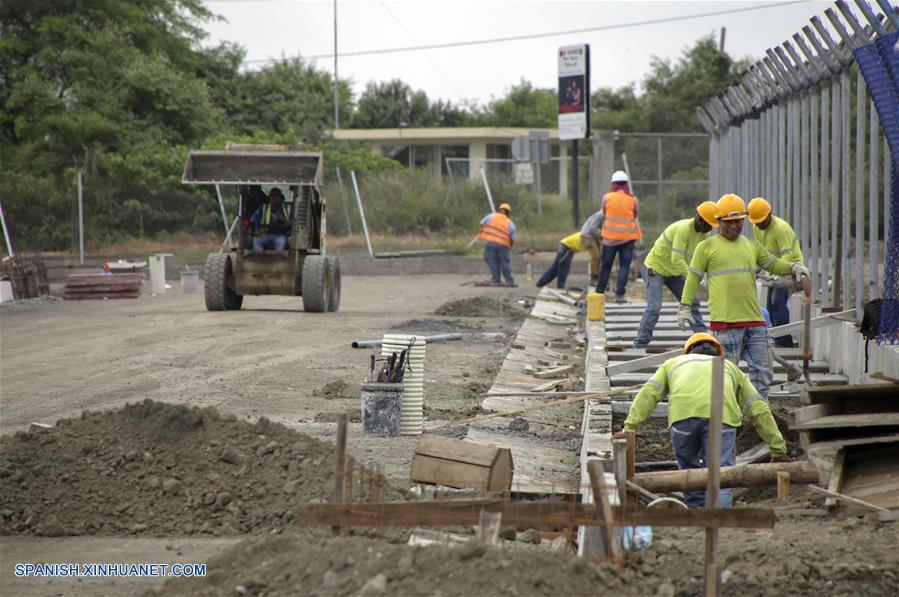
(619, 299)
(494, 284)
(511, 285)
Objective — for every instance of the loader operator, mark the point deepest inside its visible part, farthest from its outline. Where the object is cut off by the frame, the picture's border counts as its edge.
(667, 264)
(271, 223)
(687, 379)
(776, 235)
(730, 261)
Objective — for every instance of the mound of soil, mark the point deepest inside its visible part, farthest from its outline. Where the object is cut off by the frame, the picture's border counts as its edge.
(156, 468)
(295, 565)
(335, 390)
(480, 306)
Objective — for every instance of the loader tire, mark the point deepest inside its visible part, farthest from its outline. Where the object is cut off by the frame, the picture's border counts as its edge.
(315, 284)
(218, 274)
(333, 284)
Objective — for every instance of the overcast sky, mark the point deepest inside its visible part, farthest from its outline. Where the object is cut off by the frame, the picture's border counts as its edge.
(272, 28)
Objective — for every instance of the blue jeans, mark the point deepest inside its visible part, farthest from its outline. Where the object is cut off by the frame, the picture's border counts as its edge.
(625, 254)
(751, 345)
(654, 284)
(559, 269)
(779, 312)
(690, 439)
(277, 242)
(498, 259)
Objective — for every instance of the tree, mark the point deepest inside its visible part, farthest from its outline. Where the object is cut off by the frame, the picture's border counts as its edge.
(671, 92)
(522, 106)
(393, 104)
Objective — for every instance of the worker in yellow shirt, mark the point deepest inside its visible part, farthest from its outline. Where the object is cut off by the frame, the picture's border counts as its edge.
(776, 235)
(730, 261)
(587, 239)
(667, 263)
(687, 380)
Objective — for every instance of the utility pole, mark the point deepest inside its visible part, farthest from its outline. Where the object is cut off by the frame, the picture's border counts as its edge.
(575, 210)
(336, 100)
(720, 39)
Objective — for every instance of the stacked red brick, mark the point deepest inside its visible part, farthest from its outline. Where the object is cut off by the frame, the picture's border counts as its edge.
(102, 286)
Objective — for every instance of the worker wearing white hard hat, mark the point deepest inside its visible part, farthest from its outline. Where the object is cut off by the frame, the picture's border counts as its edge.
(617, 219)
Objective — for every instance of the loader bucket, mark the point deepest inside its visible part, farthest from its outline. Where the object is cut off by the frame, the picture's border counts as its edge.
(253, 167)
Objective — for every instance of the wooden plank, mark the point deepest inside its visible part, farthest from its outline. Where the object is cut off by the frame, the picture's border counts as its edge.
(454, 449)
(841, 443)
(548, 373)
(603, 510)
(809, 413)
(524, 513)
(833, 495)
(849, 392)
(838, 421)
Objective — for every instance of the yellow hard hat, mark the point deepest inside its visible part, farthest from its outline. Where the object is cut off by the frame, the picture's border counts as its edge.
(731, 207)
(758, 210)
(707, 210)
(506, 207)
(702, 337)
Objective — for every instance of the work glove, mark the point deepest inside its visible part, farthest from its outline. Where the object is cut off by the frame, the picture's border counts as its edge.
(784, 458)
(798, 270)
(685, 319)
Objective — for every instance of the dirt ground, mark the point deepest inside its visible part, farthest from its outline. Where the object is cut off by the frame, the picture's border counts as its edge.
(58, 358)
(172, 483)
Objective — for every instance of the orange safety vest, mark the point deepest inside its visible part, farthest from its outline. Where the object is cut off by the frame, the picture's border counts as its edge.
(620, 218)
(498, 229)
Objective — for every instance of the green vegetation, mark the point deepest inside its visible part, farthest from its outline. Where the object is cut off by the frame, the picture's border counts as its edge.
(120, 91)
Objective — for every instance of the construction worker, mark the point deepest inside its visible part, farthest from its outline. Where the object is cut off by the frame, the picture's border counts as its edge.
(561, 265)
(776, 235)
(620, 231)
(687, 379)
(271, 223)
(498, 233)
(667, 263)
(730, 261)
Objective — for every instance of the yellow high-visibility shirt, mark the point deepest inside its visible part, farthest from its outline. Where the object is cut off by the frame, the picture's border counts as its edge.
(574, 242)
(671, 253)
(687, 380)
(731, 266)
(779, 239)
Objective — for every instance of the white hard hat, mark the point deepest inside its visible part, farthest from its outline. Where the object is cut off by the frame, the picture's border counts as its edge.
(620, 176)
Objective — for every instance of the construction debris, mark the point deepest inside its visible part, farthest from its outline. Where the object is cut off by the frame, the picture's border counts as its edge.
(81, 287)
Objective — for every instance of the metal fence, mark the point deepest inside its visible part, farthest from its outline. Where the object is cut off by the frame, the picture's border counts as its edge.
(802, 132)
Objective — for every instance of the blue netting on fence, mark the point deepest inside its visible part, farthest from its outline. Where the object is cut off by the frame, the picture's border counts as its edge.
(879, 64)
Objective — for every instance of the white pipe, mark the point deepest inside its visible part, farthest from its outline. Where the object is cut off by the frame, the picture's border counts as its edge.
(371, 251)
(9, 250)
(80, 222)
(487, 187)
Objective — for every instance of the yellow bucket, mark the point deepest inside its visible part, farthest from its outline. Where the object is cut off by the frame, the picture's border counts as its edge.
(596, 304)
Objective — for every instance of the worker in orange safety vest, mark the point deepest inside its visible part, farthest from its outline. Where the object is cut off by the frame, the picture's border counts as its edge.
(620, 232)
(498, 233)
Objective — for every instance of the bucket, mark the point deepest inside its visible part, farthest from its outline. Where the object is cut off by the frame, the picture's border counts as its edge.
(381, 407)
(189, 282)
(596, 303)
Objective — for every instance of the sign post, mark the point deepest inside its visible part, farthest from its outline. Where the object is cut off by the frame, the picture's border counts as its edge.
(574, 107)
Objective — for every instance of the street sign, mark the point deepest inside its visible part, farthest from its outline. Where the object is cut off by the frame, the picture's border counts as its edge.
(524, 173)
(539, 141)
(574, 92)
(521, 149)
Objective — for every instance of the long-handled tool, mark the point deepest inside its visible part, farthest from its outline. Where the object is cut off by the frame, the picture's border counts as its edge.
(806, 329)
